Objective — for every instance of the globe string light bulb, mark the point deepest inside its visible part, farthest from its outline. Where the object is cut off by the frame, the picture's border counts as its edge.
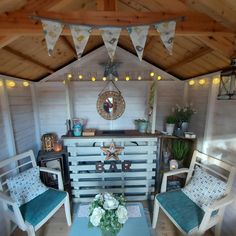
(69, 76)
(191, 82)
(127, 78)
(80, 76)
(11, 83)
(116, 79)
(152, 74)
(202, 81)
(93, 79)
(26, 84)
(139, 77)
(158, 77)
(104, 78)
(216, 81)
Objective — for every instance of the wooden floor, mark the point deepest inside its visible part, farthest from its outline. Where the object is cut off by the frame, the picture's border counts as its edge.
(57, 227)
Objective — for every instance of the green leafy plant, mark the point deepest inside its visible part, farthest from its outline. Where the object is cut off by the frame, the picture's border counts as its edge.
(108, 212)
(171, 119)
(183, 114)
(141, 121)
(180, 149)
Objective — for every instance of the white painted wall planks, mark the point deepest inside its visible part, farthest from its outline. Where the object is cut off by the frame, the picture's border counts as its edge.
(138, 184)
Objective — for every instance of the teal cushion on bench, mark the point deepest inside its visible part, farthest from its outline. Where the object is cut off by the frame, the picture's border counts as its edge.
(182, 209)
(37, 209)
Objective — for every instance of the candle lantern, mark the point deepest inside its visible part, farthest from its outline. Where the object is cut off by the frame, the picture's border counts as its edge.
(48, 141)
(227, 88)
(57, 145)
(173, 165)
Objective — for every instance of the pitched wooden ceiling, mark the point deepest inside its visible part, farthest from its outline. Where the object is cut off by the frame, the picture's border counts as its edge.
(205, 41)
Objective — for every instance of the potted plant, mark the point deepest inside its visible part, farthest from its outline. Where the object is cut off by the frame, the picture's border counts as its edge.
(109, 213)
(180, 149)
(141, 125)
(183, 116)
(170, 124)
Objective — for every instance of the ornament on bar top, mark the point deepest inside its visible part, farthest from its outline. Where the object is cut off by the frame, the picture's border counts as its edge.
(110, 36)
(80, 35)
(167, 33)
(112, 151)
(138, 35)
(52, 31)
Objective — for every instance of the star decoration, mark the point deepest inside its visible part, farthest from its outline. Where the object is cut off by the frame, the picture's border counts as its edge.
(112, 151)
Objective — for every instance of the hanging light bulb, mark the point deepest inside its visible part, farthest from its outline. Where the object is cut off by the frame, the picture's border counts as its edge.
(80, 76)
(116, 79)
(152, 74)
(191, 82)
(26, 84)
(11, 83)
(104, 78)
(216, 80)
(93, 79)
(69, 76)
(127, 78)
(158, 77)
(139, 77)
(202, 81)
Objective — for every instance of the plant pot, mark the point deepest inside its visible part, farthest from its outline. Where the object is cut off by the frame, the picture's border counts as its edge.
(170, 129)
(142, 127)
(107, 233)
(181, 164)
(184, 126)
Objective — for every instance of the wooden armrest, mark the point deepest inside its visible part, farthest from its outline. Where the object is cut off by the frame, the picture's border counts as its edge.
(171, 173)
(56, 172)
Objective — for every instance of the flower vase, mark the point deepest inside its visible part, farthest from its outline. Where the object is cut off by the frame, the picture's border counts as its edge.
(184, 126)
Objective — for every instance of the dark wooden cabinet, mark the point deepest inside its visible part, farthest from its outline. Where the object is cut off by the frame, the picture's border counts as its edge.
(58, 161)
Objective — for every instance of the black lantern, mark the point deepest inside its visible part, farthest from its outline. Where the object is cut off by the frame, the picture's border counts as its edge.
(227, 89)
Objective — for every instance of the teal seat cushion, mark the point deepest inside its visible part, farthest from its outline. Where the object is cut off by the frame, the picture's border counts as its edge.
(182, 209)
(37, 209)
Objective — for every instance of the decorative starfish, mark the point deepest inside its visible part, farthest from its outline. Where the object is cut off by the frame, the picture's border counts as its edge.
(112, 151)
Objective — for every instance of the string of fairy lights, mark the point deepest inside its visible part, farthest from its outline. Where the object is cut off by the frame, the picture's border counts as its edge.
(203, 81)
(12, 84)
(127, 77)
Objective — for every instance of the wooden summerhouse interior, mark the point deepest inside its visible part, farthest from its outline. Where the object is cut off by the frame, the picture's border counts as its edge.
(203, 46)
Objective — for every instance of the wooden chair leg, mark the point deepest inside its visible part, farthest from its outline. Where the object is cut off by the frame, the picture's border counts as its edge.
(67, 210)
(30, 231)
(155, 214)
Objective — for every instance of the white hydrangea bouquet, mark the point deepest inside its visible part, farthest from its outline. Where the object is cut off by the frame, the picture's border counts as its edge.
(108, 212)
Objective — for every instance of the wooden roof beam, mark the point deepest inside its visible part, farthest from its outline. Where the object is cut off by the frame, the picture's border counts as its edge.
(106, 5)
(194, 56)
(5, 40)
(27, 58)
(218, 10)
(194, 24)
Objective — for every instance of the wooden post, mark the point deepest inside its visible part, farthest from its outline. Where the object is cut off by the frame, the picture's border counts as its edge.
(36, 114)
(7, 120)
(69, 103)
(154, 111)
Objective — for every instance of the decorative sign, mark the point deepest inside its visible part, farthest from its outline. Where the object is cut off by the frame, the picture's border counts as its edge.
(110, 38)
(112, 152)
(113, 167)
(52, 31)
(167, 33)
(138, 35)
(80, 35)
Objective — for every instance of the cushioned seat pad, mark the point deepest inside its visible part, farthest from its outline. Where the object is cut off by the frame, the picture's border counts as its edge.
(182, 209)
(37, 209)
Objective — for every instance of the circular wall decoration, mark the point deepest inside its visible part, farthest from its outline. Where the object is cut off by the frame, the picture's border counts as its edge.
(110, 105)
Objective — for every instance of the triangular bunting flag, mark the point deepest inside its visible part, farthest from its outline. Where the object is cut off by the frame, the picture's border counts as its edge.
(167, 33)
(52, 31)
(138, 35)
(80, 35)
(110, 36)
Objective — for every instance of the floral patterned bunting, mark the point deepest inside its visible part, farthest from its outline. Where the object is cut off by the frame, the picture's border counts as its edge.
(138, 35)
(110, 37)
(167, 33)
(80, 35)
(52, 31)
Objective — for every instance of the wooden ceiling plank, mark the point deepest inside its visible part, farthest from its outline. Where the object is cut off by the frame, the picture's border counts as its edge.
(27, 58)
(218, 10)
(194, 56)
(5, 40)
(216, 43)
(106, 5)
(68, 44)
(195, 24)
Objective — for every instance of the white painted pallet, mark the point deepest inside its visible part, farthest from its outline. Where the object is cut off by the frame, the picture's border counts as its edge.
(86, 182)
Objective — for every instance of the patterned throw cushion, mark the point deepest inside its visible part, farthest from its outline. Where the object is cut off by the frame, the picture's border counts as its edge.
(204, 189)
(26, 186)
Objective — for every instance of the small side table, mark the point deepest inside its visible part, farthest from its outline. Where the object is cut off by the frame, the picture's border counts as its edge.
(58, 161)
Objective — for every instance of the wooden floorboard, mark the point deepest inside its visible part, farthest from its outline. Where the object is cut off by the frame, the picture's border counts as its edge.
(57, 226)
